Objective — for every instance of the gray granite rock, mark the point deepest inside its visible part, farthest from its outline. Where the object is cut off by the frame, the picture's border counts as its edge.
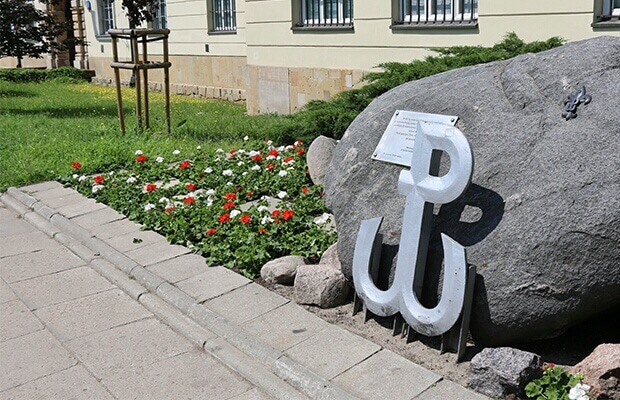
(282, 270)
(330, 257)
(541, 220)
(318, 157)
(503, 371)
(321, 285)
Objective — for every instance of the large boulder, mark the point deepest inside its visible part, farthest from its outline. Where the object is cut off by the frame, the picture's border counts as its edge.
(541, 220)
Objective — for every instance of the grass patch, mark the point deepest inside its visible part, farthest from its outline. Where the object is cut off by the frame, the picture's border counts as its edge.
(46, 126)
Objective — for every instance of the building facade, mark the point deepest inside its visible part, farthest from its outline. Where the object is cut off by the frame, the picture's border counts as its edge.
(279, 54)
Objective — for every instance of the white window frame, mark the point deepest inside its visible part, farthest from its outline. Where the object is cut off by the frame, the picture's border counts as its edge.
(615, 11)
(106, 16)
(340, 19)
(218, 21)
(453, 11)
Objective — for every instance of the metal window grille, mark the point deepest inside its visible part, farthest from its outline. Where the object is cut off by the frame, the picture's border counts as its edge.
(159, 19)
(223, 12)
(438, 11)
(327, 12)
(106, 15)
(610, 10)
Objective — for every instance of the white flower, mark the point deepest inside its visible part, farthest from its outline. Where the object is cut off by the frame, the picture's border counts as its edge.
(282, 194)
(111, 173)
(322, 219)
(255, 168)
(219, 151)
(292, 161)
(229, 183)
(198, 147)
(176, 152)
(131, 179)
(246, 138)
(234, 213)
(281, 149)
(149, 206)
(229, 156)
(75, 176)
(282, 173)
(138, 152)
(264, 197)
(241, 151)
(191, 194)
(209, 202)
(164, 200)
(245, 173)
(82, 178)
(97, 188)
(297, 142)
(210, 192)
(209, 170)
(579, 392)
(290, 147)
(265, 220)
(227, 172)
(159, 159)
(269, 142)
(290, 168)
(216, 159)
(253, 153)
(271, 157)
(262, 208)
(240, 163)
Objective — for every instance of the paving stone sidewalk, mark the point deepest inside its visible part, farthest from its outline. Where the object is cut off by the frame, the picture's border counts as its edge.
(92, 307)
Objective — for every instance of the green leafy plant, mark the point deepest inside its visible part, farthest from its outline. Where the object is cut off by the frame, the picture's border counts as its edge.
(64, 74)
(556, 384)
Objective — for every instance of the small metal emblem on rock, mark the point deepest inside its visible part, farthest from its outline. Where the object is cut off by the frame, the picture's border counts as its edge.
(572, 102)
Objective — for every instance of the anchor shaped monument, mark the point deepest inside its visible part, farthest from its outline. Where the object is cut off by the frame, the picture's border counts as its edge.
(422, 188)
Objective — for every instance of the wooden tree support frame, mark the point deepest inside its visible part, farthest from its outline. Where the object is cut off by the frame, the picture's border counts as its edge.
(137, 64)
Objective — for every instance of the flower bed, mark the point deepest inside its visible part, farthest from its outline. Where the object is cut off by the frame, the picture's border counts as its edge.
(238, 208)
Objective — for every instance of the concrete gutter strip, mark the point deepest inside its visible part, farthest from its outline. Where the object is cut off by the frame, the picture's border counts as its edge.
(264, 366)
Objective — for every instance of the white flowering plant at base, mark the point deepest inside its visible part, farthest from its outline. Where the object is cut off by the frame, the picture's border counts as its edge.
(557, 384)
(196, 200)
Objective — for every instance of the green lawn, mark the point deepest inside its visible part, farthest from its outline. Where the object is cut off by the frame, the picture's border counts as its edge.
(44, 127)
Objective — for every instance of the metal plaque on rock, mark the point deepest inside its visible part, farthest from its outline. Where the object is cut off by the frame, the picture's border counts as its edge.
(396, 144)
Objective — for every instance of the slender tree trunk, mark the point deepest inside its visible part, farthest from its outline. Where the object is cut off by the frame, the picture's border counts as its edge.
(19, 61)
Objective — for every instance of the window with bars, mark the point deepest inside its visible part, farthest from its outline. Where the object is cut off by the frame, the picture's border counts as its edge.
(437, 11)
(159, 19)
(326, 13)
(223, 17)
(106, 16)
(610, 10)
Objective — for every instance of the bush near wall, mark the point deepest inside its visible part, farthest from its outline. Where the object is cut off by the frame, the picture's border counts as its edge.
(25, 75)
(331, 118)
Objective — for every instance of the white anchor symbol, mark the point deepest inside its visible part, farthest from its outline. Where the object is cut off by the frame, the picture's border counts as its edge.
(422, 190)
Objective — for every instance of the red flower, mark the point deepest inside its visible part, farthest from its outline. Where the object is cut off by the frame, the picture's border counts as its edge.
(185, 164)
(99, 179)
(275, 213)
(273, 152)
(257, 158)
(262, 230)
(151, 187)
(288, 159)
(231, 196)
(224, 218)
(304, 189)
(76, 165)
(191, 187)
(245, 218)
(288, 214)
(229, 205)
(232, 151)
(189, 200)
(249, 194)
(301, 151)
(141, 158)
(169, 209)
(270, 166)
(211, 231)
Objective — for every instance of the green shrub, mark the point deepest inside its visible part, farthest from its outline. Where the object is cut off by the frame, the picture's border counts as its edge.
(24, 75)
(331, 118)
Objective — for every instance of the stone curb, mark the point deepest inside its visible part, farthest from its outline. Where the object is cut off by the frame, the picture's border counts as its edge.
(256, 361)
